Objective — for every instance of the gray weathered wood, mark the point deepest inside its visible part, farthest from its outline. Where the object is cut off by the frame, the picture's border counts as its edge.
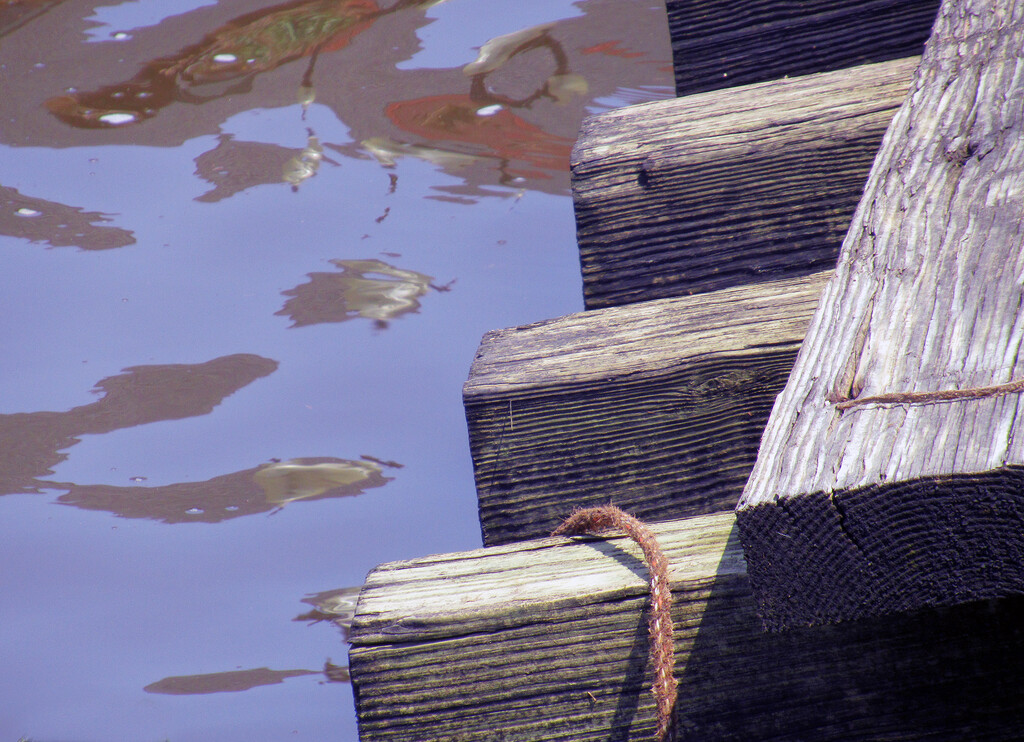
(657, 407)
(546, 640)
(720, 189)
(886, 507)
(722, 43)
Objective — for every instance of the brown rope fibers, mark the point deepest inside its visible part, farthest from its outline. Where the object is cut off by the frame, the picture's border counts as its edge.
(659, 621)
(948, 395)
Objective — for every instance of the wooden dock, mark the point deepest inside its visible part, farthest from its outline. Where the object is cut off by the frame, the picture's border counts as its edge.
(883, 533)
(545, 640)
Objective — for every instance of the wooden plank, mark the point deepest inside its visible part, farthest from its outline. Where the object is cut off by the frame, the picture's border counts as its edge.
(737, 186)
(723, 43)
(657, 407)
(546, 640)
(891, 505)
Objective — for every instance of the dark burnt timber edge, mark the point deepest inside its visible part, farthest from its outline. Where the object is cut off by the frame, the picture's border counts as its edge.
(738, 186)
(655, 407)
(546, 640)
(721, 43)
(889, 506)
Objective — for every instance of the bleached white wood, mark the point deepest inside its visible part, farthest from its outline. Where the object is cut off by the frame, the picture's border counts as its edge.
(926, 297)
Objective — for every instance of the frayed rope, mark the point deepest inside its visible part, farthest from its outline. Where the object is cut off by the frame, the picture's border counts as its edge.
(659, 621)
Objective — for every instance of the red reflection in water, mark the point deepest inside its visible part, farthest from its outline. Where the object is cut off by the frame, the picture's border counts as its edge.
(456, 118)
(237, 51)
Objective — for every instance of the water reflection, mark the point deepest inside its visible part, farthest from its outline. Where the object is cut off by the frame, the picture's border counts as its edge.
(307, 479)
(337, 95)
(33, 444)
(337, 606)
(223, 63)
(304, 165)
(56, 224)
(234, 681)
(370, 289)
(509, 117)
(261, 489)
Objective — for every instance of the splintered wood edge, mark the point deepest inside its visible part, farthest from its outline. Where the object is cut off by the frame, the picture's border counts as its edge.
(732, 112)
(665, 334)
(500, 587)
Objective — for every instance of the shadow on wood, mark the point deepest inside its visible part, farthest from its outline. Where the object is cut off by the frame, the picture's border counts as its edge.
(546, 640)
(937, 674)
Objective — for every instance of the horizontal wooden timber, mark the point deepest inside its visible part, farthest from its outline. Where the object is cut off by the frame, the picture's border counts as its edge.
(656, 407)
(891, 473)
(546, 640)
(737, 186)
(722, 43)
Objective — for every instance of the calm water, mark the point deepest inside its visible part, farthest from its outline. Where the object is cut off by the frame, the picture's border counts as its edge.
(249, 250)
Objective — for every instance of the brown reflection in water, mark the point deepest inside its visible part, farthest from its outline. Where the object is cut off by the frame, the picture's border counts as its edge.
(501, 134)
(337, 606)
(370, 289)
(233, 166)
(507, 118)
(238, 680)
(57, 225)
(223, 63)
(16, 13)
(482, 118)
(32, 443)
(258, 490)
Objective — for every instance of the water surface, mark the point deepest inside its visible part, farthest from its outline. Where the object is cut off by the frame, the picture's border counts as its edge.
(249, 250)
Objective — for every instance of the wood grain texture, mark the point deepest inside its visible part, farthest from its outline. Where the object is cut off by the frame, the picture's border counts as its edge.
(656, 407)
(545, 640)
(886, 507)
(721, 189)
(723, 43)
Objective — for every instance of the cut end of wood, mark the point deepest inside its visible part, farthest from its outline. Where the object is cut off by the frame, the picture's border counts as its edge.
(939, 541)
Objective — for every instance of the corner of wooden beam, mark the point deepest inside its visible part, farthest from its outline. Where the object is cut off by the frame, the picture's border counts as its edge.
(891, 472)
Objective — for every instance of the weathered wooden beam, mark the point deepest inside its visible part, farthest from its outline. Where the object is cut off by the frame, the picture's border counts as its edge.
(722, 43)
(863, 503)
(726, 188)
(546, 640)
(656, 407)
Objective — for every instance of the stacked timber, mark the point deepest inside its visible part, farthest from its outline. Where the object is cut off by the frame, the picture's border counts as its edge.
(545, 639)
(721, 43)
(726, 188)
(658, 407)
(891, 475)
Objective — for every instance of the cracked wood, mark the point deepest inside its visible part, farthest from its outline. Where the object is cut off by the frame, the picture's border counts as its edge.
(853, 510)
